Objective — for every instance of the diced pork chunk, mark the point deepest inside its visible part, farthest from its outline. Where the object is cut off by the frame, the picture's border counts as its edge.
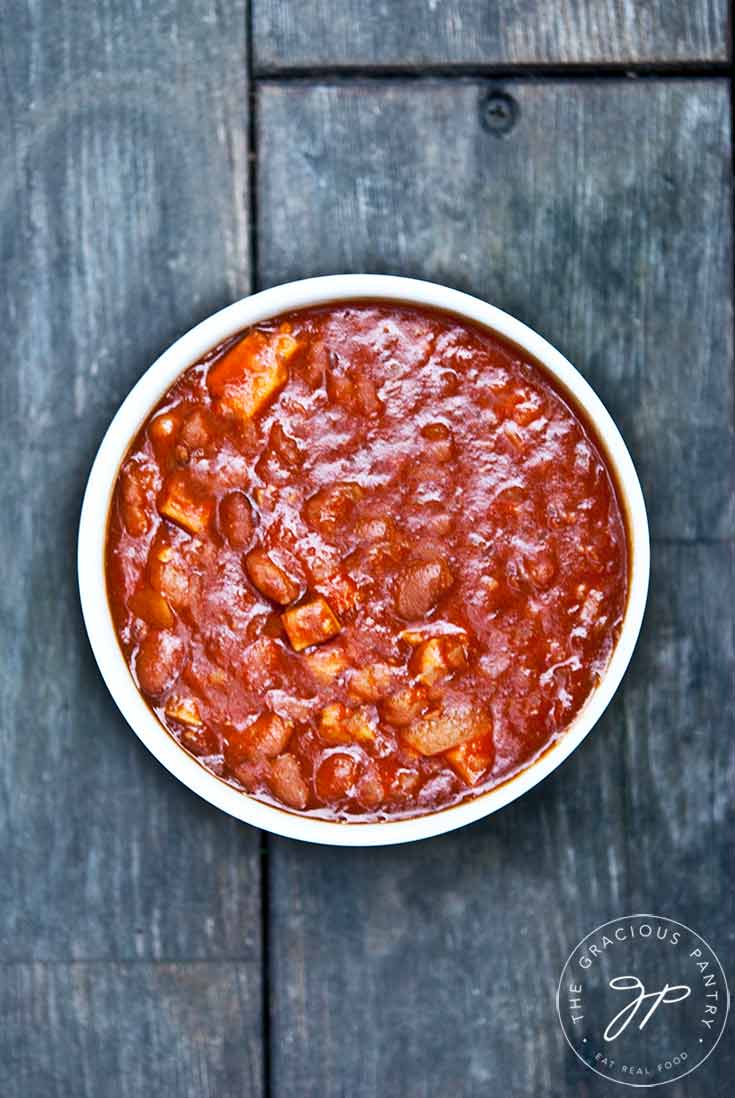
(252, 372)
(159, 661)
(420, 586)
(340, 724)
(269, 734)
(266, 737)
(373, 682)
(287, 781)
(199, 739)
(404, 784)
(341, 591)
(183, 504)
(184, 710)
(269, 579)
(419, 633)
(528, 409)
(310, 623)
(326, 664)
(435, 659)
(251, 774)
(152, 608)
(236, 519)
(405, 705)
(444, 729)
(472, 759)
(266, 498)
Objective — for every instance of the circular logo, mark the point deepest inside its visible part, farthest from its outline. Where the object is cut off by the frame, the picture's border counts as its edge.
(643, 1000)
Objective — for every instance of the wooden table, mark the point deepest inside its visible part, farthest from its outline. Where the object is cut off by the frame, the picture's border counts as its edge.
(162, 160)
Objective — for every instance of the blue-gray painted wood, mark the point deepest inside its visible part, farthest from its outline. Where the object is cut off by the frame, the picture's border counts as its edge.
(123, 222)
(412, 33)
(138, 1030)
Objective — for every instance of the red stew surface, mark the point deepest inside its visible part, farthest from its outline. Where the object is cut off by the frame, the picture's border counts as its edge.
(365, 561)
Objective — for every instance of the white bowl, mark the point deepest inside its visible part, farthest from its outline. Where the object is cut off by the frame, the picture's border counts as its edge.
(92, 530)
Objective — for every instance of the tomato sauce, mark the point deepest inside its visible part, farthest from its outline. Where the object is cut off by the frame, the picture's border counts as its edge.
(365, 561)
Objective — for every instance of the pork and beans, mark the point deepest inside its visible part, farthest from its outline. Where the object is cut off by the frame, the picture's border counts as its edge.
(365, 561)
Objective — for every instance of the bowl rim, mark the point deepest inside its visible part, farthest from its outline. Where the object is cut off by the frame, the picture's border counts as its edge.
(184, 352)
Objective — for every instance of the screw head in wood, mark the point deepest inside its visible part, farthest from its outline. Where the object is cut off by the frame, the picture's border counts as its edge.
(498, 113)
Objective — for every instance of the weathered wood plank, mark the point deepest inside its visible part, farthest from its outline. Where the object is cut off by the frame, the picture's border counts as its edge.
(123, 222)
(679, 720)
(104, 1030)
(479, 32)
(602, 220)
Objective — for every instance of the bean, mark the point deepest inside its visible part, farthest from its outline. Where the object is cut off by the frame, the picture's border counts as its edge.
(420, 586)
(236, 519)
(269, 579)
(335, 777)
(287, 782)
(159, 661)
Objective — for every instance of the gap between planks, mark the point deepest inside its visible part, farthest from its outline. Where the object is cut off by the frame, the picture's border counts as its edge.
(263, 850)
(128, 962)
(505, 71)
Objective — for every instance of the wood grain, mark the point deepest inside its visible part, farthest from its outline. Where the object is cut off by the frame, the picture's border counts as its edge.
(679, 718)
(123, 221)
(602, 220)
(481, 32)
(105, 1030)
